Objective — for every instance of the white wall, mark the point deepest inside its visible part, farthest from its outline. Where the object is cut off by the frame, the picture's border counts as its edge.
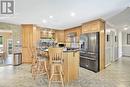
(120, 44)
(126, 47)
(108, 55)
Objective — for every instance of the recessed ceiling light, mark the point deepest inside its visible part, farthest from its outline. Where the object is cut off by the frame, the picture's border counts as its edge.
(50, 16)
(72, 14)
(44, 21)
(125, 28)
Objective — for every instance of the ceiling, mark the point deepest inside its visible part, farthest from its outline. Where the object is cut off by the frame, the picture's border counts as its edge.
(120, 20)
(62, 14)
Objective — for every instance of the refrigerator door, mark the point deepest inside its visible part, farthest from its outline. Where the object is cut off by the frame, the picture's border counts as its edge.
(93, 42)
(84, 42)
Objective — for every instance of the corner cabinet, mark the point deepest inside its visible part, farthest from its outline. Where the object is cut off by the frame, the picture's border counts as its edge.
(30, 36)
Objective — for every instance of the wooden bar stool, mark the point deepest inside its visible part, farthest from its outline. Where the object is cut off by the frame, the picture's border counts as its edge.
(56, 62)
(40, 67)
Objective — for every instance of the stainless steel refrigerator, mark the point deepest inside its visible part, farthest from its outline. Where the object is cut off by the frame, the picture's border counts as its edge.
(89, 51)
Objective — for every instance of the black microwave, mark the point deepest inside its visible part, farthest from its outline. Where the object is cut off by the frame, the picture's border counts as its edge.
(61, 45)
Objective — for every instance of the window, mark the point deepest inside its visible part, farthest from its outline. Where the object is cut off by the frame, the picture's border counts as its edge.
(1, 41)
(128, 39)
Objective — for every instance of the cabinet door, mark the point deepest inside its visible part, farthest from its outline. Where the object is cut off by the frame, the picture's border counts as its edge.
(44, 34)
(86, 28)
(27, 33)
(94, 26)
(59, 36)
(27, 41)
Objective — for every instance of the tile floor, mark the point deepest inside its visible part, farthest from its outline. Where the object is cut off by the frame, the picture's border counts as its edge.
(115, 75)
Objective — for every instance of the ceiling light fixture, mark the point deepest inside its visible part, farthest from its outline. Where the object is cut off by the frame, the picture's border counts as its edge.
(50, 17)
(72, 14)
(125, 28)
(44, 21)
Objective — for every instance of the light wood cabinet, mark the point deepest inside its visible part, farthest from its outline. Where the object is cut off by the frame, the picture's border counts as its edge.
(47, 34)
(30, 36)
(71, 66)
(59, 36)
(76, 30)
(93, 26)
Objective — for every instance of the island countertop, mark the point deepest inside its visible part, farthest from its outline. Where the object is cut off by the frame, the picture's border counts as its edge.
(64, 50)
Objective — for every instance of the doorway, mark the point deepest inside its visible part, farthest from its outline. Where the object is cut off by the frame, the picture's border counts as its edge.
(6, 47)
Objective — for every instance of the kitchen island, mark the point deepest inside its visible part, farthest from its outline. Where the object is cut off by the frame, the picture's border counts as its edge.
(70, 65)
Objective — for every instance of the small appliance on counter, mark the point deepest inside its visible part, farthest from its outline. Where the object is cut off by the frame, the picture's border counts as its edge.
(61, 45)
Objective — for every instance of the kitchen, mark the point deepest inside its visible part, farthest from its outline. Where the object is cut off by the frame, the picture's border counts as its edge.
(70, 41)
(61, 50)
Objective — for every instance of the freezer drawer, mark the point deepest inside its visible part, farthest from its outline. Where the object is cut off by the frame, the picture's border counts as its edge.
(89, 64)
(83, 62)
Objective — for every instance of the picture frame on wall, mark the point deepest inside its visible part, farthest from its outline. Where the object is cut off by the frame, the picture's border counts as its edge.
(128, 39)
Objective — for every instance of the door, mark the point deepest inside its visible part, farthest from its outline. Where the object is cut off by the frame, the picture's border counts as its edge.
(114, 46)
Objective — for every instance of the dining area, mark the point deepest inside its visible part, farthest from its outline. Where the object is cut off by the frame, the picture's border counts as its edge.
(59, 66)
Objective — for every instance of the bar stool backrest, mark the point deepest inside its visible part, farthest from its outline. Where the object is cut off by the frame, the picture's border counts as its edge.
(55, 55)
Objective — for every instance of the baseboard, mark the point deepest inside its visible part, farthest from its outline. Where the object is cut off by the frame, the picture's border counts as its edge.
(26, 63)
(107, 65)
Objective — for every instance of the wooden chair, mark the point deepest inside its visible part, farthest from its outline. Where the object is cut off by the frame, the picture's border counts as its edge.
(2, 56)
(39, 66)
(34, 62)
(56, 62)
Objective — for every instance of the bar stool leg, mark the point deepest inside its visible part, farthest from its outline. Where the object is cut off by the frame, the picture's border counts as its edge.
(52, 73)
(46, 70)
(61, 76)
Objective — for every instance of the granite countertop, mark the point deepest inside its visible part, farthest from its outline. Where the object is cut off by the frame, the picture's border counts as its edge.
(64, 50)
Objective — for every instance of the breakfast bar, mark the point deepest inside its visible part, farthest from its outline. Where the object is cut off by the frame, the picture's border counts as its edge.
(71, 65)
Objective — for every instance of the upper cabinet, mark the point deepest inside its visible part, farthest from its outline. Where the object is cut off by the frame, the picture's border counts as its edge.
(93, 26)
(59, 36)
(47, 34)
(72, 34)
